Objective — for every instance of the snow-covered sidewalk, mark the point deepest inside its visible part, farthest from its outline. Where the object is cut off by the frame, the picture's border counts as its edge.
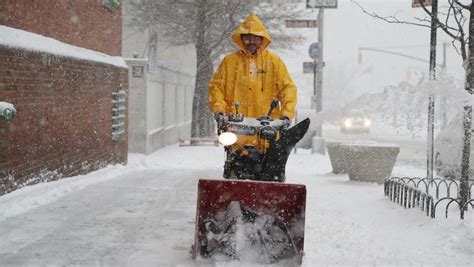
(142, 214)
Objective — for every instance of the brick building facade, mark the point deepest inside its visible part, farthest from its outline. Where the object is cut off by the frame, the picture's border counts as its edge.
(84, 23)
(64, 104)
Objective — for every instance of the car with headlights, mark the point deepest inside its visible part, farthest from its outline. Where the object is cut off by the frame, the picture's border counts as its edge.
(355, 122)
(448, 148)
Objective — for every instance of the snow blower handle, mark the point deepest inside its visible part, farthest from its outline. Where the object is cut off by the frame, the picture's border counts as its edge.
(273, 105)
(220, 120)
(237, 106)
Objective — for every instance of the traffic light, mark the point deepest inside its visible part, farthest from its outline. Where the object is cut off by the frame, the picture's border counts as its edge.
(360, 57)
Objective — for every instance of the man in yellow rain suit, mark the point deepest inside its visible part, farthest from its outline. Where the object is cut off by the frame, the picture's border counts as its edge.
(252, 77)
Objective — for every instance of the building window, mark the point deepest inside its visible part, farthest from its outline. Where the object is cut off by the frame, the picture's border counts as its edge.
(118, 114)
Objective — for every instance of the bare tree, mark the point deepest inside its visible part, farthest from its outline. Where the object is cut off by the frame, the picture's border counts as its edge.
(453, 22)
(208, 24)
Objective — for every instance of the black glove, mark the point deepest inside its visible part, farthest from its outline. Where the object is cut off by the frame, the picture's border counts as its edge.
(286, 120)
(219, 117)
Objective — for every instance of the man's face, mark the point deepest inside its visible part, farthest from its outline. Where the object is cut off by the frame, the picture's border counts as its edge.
(251, 42)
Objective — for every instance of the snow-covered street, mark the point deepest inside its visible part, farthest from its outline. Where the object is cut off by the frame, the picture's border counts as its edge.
(142, 214)
(109, 89)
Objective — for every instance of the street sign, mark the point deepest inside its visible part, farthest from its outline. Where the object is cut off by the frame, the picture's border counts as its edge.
(301, 23)
(308, 67)
(321, 3)
(417, 3)
(313, 51)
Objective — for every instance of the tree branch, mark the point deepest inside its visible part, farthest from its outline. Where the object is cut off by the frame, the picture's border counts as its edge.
(467, 7)
(456, 33)
(389, 19)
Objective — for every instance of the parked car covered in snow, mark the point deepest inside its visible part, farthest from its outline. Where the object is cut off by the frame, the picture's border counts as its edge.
(355, 122)
(448, 148)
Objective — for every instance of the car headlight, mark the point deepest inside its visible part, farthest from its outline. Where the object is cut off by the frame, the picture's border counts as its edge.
(227, 138)
(347, 123)
(367, 123)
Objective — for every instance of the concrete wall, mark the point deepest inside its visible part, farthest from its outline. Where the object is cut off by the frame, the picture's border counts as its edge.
(160, 106)
(161, 98)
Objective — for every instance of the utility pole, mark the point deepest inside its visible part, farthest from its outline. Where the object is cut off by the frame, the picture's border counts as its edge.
(467, 117)
(320, 63)
(317, 99)
(314, 99)
(431, 98)
(318, 76)
(432, 77)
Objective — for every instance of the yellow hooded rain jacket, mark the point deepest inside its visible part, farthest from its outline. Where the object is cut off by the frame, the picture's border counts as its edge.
(253, 81)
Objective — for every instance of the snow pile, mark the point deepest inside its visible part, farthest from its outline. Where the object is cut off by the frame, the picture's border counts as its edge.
(20, 39)
(27, 198)
(250, 236)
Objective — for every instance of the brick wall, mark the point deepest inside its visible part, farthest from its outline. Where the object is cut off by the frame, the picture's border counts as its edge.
(84, 23)
(63, 124)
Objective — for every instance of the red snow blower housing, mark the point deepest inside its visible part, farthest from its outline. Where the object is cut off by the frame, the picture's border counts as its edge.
(260, 222)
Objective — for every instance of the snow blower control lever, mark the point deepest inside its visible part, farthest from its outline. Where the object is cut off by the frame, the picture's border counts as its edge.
(273, 105)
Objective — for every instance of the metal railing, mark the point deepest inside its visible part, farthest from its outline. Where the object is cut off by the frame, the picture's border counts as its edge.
(428, 194)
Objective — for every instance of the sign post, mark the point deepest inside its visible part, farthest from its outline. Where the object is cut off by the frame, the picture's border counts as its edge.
(313, 53)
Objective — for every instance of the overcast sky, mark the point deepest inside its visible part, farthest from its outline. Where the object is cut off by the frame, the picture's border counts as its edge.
(347, 29)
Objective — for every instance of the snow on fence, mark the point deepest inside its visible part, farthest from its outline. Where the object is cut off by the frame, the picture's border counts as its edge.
(428, 194)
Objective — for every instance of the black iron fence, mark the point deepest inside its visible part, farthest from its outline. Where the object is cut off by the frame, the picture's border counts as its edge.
(429, 194)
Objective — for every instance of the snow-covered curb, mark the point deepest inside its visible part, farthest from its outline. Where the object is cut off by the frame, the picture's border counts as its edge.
(16, 38)
(29, 197)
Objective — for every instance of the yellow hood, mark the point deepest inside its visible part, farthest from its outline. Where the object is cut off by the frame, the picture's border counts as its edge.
(251, 25)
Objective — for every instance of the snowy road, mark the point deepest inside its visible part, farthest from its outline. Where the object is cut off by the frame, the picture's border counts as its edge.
(143, 215)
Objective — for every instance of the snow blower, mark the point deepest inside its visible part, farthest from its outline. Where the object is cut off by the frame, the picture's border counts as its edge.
(253, 216)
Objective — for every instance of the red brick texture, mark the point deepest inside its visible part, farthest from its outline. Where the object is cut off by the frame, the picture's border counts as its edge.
(64, 117)
(84, 23)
